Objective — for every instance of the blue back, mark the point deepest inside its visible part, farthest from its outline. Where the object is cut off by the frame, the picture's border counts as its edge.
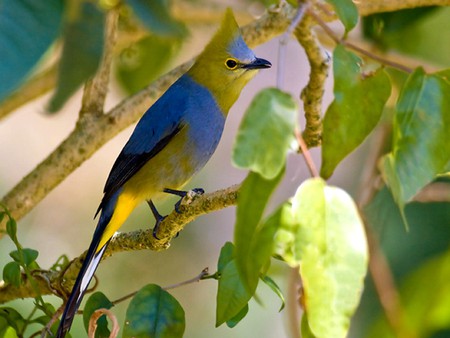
(184, 104)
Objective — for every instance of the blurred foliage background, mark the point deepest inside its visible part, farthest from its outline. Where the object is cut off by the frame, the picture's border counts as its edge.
(62, 222)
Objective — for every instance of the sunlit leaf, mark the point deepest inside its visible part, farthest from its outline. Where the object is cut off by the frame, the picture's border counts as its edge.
(331, 248)
(358, 103)
(8, 332)
(154, 313)
(266, 133)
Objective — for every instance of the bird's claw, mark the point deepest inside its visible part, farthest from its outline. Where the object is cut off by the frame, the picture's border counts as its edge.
(190, 195)
(156, 227)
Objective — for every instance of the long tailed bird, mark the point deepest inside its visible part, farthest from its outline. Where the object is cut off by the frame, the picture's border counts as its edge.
(172, 141)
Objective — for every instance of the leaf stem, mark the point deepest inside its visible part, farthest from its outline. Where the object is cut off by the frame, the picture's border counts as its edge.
(306, 154)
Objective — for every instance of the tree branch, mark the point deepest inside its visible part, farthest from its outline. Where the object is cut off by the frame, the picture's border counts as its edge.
(312, 94)
(93, 131)
(372, 7)
(49, 282)
(95, 90)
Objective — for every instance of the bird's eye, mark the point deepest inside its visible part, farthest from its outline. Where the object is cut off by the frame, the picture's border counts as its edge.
(231, 64)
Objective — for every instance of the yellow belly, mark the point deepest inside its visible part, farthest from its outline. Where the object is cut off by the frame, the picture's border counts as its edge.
(170, 168)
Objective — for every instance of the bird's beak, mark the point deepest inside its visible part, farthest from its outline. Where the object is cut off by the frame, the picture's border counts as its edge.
(257, 64)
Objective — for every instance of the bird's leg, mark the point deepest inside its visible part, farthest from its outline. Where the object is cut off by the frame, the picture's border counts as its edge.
(158, 218)
(183, 194)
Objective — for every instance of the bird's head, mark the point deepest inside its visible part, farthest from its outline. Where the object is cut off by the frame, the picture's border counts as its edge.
(227, 63)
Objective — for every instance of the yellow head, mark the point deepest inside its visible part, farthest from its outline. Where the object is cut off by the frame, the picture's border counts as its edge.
(226, 64)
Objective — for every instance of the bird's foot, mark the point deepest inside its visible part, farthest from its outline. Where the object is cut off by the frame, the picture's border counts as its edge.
(156, 227)
(188, 196)
(158, 218)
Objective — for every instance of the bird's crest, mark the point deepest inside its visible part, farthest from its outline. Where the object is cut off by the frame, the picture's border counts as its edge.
(227, 33)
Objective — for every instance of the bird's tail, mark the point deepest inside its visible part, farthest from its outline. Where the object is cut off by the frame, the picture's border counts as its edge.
(114, 213)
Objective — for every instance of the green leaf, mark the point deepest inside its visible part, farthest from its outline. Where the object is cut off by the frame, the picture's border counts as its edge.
(12, 274)
(8, 332)
(419, 32)
(13, 318)
(358, 103)
(275, 288)
(96, 301)
(236, 319)
(11, 229)
(332, 251)
(232, 295)
(27, 29)
(253, 197)
(425, 300)
(266, 133)
(82, 51)
(226, 256)
(305, 329)
(156, 16)
(29, 256)
(145, 61)
(154, 313)
(421, 149)
(347, 13)
(284, 239)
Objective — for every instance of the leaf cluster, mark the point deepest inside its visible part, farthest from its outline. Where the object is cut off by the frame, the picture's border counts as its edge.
(320, 231)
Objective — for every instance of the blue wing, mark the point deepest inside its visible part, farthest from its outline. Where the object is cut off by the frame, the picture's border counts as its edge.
(160, 123)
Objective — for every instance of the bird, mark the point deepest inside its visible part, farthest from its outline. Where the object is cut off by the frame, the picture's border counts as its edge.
(171, 142)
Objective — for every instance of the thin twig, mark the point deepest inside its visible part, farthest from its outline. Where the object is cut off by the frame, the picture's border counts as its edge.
(347, 44)
(195, 279)
(47, 328)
